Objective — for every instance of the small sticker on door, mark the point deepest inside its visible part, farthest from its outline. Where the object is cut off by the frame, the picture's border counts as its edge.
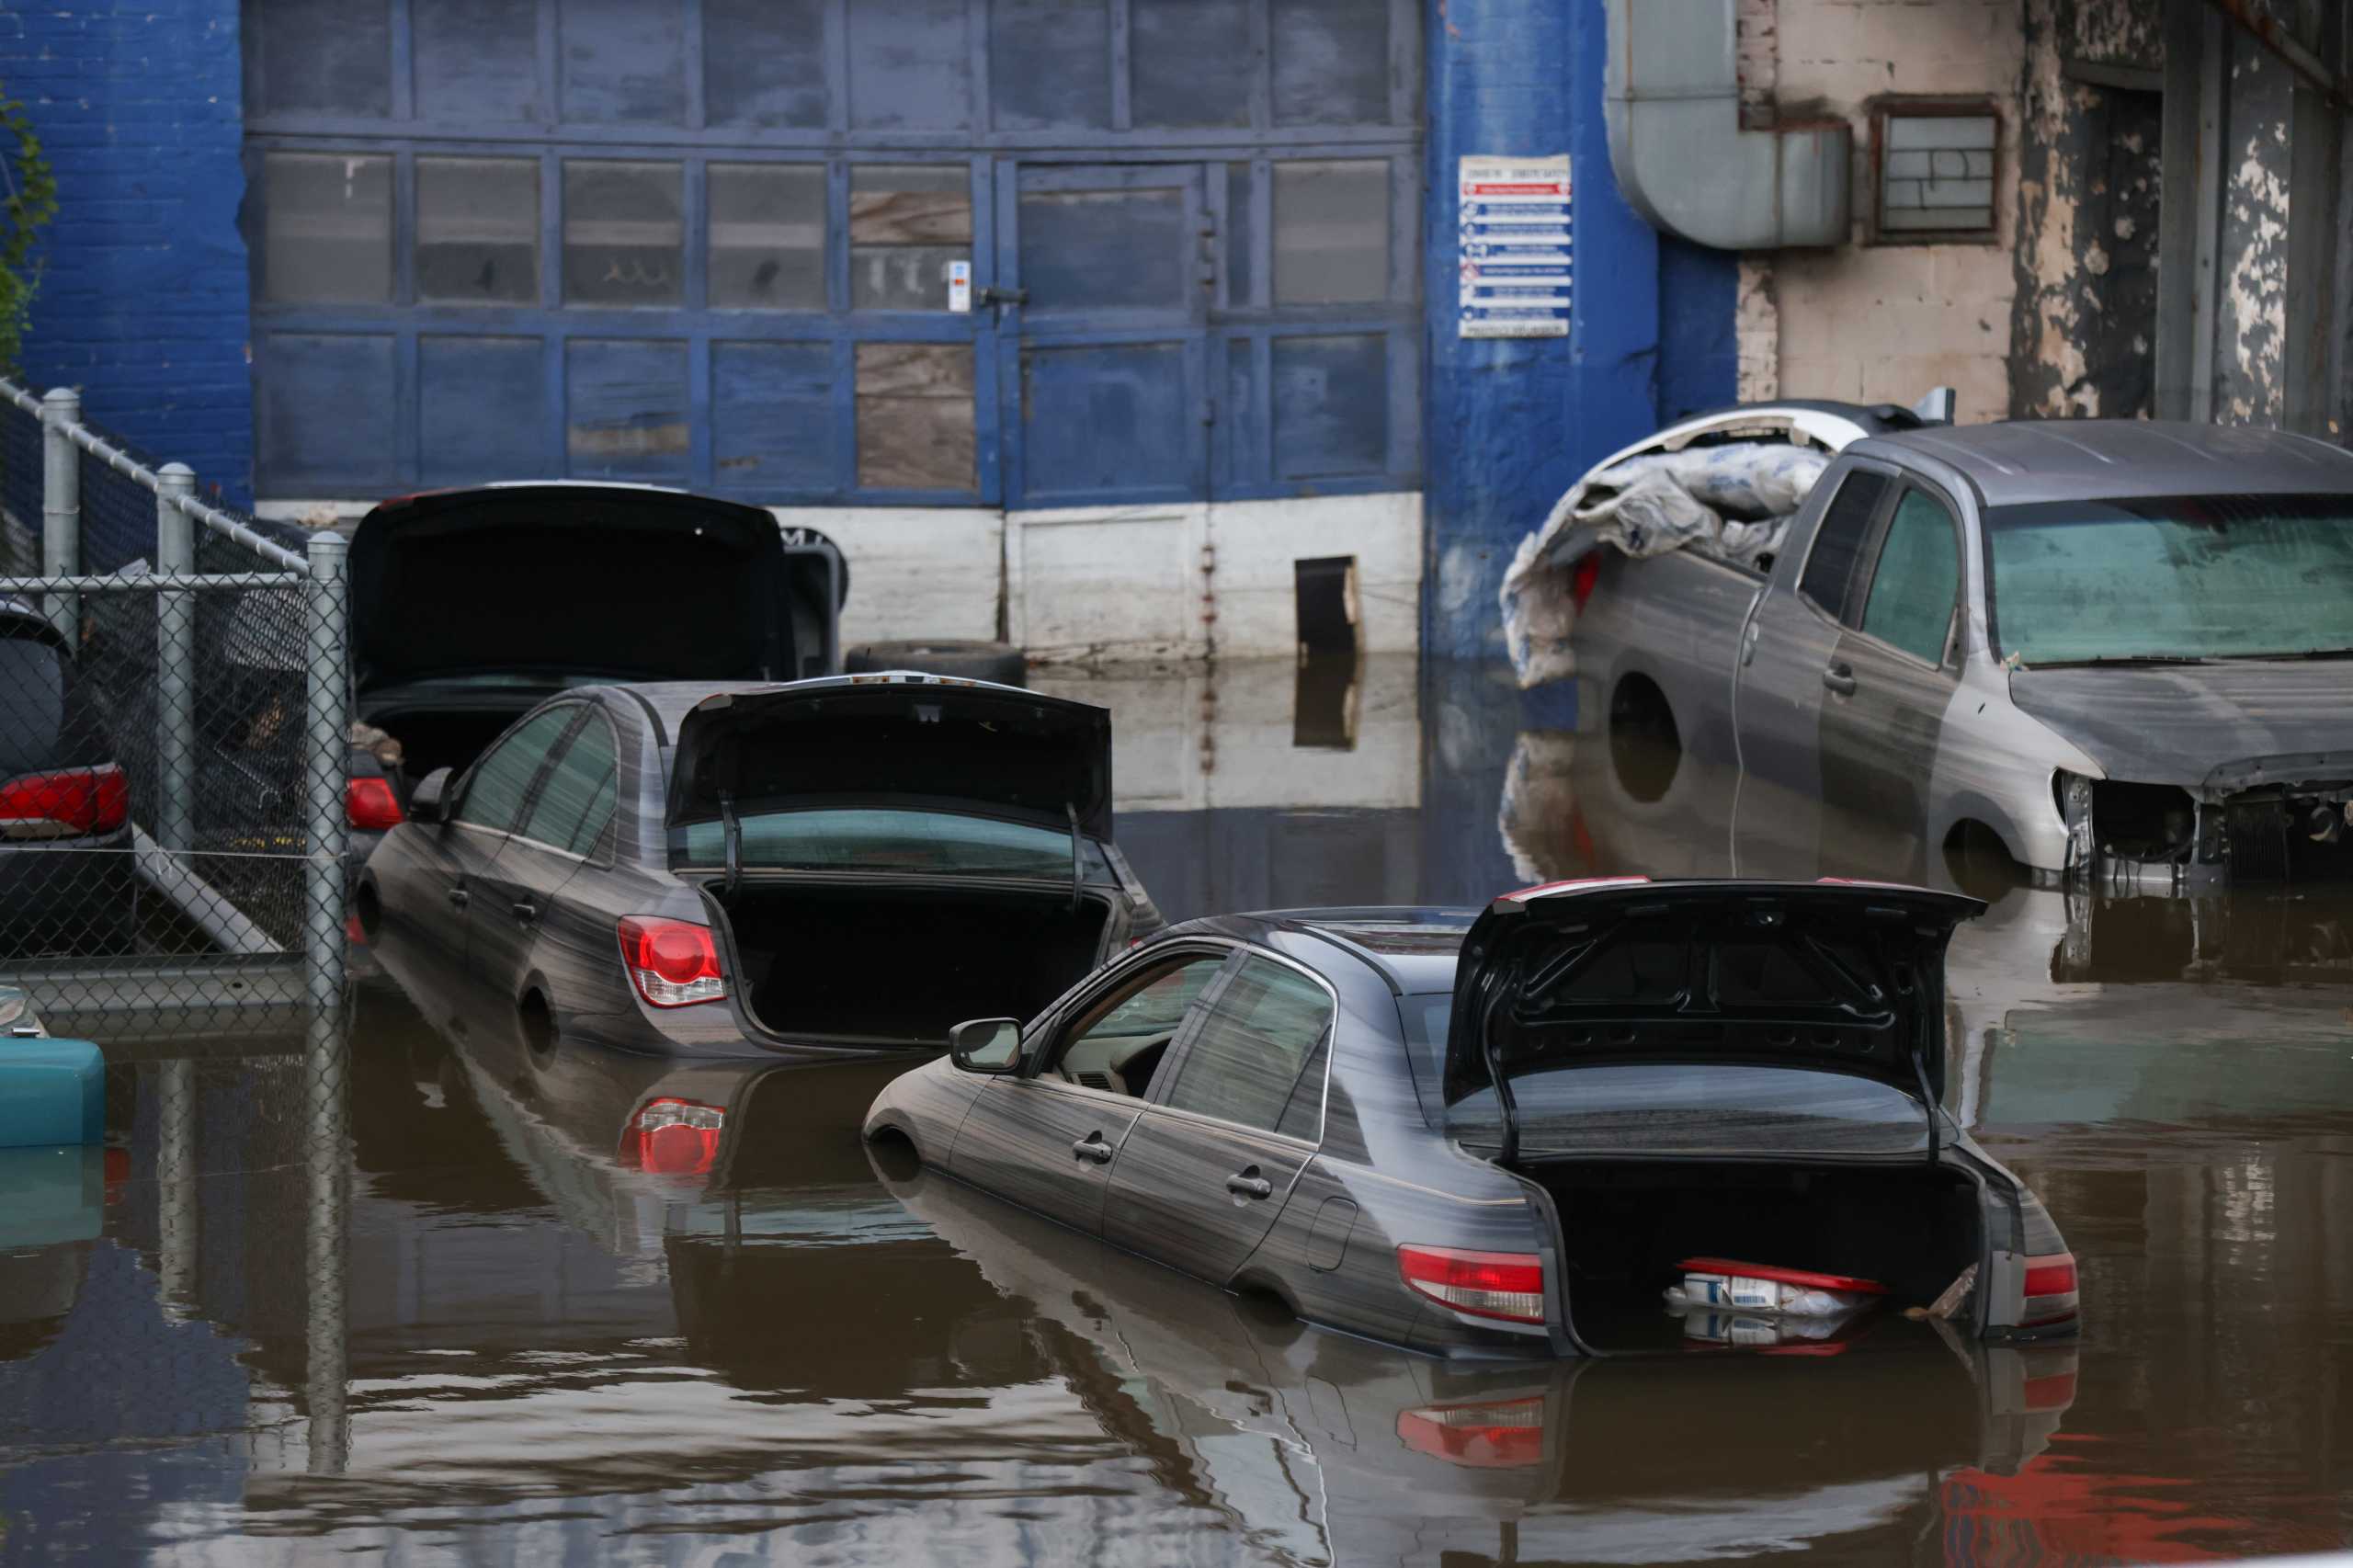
(960, 286)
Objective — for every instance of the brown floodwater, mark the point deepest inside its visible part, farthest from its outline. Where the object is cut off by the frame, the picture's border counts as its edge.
(451, 1315)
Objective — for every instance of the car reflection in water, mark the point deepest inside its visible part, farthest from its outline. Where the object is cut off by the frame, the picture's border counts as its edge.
(1336, 1449)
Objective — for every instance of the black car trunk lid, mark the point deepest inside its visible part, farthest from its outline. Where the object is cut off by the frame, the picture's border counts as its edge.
(1830, 976)
(883, 740)
(618, 582)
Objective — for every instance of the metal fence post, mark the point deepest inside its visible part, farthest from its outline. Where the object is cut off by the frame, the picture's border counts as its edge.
(174, 661)
(61, 505)
(325, 747)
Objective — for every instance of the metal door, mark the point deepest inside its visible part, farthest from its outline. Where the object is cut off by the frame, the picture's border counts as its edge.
(1105, 275)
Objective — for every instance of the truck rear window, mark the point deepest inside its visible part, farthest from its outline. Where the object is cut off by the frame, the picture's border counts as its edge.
(32, 716)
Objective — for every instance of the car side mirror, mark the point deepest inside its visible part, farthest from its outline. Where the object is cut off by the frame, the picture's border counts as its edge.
(987, 1045)
(426, 801)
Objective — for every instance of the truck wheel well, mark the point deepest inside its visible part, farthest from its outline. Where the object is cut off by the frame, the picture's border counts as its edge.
(1981, 862)
(1645, 747)
(539, 1032)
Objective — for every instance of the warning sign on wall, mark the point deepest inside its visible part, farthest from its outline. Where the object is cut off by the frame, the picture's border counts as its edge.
(1514, 245)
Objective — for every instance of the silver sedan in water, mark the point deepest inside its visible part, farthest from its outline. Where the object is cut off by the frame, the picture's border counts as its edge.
(2116, 649)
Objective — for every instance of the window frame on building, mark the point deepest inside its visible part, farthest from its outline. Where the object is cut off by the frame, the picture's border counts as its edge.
(1892, 108)
(1259, 362)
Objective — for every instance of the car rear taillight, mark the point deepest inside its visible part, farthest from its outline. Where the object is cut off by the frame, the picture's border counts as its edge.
(1503, 1436)
(673, 1137)
(2051, 1289)
(1582, 578)
(55, 805)
(1507, 1285)
(673, 963)
(370, 803)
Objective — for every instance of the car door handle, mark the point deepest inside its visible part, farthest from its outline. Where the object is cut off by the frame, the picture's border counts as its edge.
(1247, 1183)
(1840, 678)
(1092, 1147)
(525, 910)
(460, 897)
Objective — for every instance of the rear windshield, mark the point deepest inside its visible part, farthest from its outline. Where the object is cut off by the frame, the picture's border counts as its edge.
(1664, 1106)
(871, 840)
(2185, 576)
(32, 713)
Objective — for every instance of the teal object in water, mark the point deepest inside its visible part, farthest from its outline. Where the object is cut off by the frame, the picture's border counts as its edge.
(51, 1092)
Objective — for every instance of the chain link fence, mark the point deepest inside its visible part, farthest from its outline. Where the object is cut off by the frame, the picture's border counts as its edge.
(174, 721)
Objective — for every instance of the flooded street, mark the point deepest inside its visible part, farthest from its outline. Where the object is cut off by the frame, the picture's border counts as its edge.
(474, 1315)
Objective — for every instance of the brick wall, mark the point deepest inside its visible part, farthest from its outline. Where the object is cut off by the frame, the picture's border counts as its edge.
(144, 295)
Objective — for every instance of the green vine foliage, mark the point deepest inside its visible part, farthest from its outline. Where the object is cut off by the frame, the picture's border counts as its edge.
(30, 189)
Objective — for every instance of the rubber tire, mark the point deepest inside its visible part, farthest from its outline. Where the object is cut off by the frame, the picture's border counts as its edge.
(998, 661)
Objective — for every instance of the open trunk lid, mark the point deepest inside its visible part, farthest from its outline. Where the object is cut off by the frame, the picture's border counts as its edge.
(1829, 976)
(620, 582)
(897, 739)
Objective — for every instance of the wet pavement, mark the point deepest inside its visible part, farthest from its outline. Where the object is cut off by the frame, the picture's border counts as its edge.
(459, 1314)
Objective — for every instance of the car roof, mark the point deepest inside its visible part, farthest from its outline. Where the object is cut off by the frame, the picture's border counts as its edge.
(673, 699)
(2020, 461)
(1413, 949)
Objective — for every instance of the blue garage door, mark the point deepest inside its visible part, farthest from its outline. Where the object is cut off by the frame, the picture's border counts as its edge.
(707, 242)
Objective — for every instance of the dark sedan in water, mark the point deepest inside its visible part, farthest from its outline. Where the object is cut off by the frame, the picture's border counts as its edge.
(1509, 1134)
(730, 870)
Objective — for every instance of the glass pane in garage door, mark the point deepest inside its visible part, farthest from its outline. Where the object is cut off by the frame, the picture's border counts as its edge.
(1103, 354)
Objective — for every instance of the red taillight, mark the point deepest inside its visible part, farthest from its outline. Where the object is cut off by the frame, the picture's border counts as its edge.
(1507, 1285)
(673, 963)
(54, 805)
(1503, 1436)
(370, 803)
(2051, 1289)
(673, 1137)
(1583, 576)
(353, 931)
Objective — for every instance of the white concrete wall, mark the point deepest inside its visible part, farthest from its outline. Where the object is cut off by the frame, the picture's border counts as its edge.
(1883, 323)
(1115, 584)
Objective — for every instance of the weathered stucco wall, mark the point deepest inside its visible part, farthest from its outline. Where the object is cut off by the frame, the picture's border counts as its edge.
(2083, 328)
(1883, 323)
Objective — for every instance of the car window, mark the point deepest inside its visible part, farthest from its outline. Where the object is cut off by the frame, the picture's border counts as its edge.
(1839, 543)
(1917, 577)
(495, 788)
(1248, 1060)
(2173, 576)
(577, 800)
(1118, 1041)
(891, 839)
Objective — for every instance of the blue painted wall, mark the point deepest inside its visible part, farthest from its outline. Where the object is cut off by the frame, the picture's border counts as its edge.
(1510, 423)
(143, 297)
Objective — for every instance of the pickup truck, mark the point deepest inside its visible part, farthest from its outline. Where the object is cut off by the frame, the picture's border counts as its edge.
(2115, 649)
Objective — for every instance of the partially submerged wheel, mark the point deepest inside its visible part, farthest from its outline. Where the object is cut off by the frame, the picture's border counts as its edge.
(1645, 748)
(961, 658)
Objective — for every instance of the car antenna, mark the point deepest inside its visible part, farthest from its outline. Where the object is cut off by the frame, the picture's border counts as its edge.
(1075, 863)
(733, 841)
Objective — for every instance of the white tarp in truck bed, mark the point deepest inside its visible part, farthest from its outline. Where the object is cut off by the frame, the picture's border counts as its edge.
(1732, 500)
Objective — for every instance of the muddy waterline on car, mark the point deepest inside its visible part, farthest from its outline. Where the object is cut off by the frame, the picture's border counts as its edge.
(494, 1312)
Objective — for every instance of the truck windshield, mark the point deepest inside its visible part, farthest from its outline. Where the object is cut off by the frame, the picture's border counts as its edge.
(2173, 577)
(867, 840)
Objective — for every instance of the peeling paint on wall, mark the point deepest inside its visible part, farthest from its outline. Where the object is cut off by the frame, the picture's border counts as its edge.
(1756, 325)
(2082, 327)
(2252, 314)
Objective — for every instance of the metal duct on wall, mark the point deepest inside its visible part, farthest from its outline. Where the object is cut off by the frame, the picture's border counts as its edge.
(1672, 97)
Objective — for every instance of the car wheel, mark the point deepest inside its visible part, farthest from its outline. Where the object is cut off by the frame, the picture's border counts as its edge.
(998, 661)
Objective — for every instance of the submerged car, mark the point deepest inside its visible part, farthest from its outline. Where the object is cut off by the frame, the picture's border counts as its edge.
(820, 866)
(2115, 649)
(1506, 1134)
(471, 607)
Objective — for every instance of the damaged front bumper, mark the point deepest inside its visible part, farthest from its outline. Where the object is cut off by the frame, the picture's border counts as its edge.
(2275, 819)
